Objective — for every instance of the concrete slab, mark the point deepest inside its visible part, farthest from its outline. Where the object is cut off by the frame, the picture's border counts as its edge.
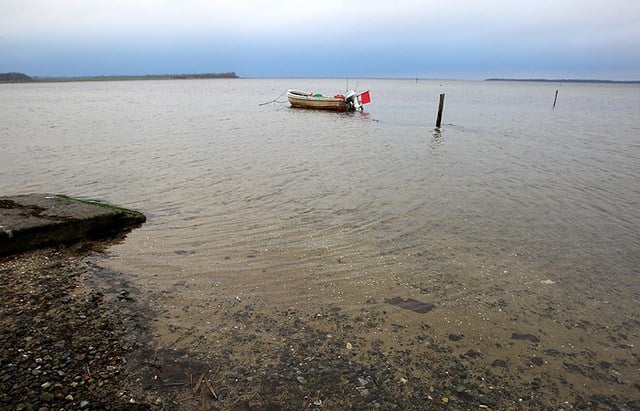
(39, 220)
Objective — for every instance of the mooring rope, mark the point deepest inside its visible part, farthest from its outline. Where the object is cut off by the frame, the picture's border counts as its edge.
(275, 100)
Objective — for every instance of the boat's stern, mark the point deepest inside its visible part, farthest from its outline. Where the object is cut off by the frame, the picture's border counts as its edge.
(353, 103)
(357, 101)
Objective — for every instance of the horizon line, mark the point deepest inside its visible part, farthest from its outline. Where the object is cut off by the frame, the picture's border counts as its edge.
(233, 75)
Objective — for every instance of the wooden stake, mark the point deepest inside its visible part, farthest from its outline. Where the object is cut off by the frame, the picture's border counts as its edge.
(555, 99)
(440, 108)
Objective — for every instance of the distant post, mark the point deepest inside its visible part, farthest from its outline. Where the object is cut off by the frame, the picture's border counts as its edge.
(440, 108)
(555, 99)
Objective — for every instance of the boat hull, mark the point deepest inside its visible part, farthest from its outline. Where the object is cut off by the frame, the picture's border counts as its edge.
(300, 99)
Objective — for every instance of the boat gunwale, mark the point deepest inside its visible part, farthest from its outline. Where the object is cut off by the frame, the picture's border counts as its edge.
(301, 99)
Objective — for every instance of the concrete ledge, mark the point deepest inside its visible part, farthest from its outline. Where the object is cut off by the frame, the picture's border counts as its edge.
(39, 220)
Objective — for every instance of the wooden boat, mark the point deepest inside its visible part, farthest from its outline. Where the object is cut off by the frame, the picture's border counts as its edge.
(339, 102)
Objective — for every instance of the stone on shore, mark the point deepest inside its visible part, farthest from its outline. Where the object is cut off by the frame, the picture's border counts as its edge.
(39, 220)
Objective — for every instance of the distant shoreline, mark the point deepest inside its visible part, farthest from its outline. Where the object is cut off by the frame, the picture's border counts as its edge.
(537, 80)
(23, 78)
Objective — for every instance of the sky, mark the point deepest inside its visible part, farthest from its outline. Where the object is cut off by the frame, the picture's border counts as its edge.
(440, 39)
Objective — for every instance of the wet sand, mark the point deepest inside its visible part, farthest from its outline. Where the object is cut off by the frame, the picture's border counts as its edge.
(78, 335)
(82, 336)
(461, 335)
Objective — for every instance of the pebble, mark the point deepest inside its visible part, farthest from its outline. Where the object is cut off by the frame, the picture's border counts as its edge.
(46, 396)
(525, 337)
(364, 392)
(473, 353)
(499, 363)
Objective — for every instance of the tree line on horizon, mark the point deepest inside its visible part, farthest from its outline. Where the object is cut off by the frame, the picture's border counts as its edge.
(543, 80)
(15, 77)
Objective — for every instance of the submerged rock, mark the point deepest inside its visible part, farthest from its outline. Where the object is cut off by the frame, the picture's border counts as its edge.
(410, 304)
(525, 337)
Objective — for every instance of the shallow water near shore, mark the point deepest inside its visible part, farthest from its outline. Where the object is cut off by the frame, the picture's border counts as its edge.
(271, 229)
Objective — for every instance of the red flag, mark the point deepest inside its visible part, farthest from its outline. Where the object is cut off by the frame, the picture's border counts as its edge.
(365, 97)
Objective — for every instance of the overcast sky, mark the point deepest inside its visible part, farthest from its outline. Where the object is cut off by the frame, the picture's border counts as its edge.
(466, 39)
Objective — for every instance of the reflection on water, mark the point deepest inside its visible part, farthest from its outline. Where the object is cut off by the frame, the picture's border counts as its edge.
(436, 141)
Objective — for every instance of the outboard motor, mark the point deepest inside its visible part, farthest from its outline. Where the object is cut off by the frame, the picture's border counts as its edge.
(353, 103)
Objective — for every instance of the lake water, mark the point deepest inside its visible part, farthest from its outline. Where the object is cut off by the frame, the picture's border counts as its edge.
(514, 214)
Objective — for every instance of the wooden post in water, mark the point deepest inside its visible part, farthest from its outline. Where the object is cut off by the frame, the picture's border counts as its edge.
(555, 99)
(440, 108)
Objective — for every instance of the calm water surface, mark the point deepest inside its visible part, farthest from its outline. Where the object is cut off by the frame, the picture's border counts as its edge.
(513, 218)
(220, 176)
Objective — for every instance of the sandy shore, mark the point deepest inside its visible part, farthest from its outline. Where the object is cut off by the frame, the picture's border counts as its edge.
(78, 336)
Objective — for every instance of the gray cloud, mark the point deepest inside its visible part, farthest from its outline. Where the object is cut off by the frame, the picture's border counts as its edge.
(543, 28)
